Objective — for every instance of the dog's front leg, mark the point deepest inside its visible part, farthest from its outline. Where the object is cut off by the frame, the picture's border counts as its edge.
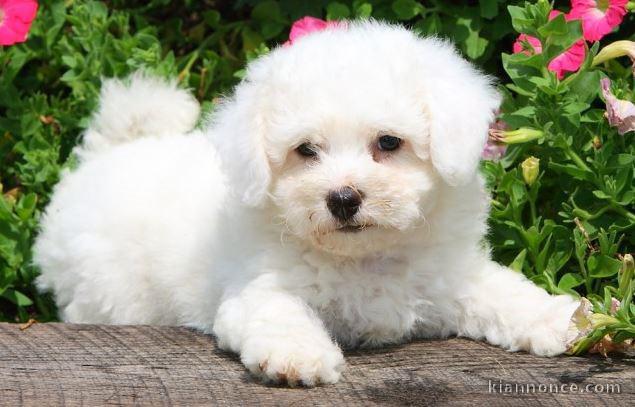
(507, 309)
(279, 338)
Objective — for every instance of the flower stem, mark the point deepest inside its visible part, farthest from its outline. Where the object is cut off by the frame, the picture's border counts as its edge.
(618, 209)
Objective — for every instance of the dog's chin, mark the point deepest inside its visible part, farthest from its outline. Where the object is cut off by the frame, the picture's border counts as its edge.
(355, 240)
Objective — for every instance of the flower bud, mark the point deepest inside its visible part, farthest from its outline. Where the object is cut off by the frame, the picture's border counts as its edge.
(626, 275)
(615, 50)
(615, 306)
(11, 196)
(522, 135)
(530, 167)
(602, 320)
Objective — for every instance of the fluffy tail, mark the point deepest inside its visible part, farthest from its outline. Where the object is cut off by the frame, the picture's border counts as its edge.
(139, 106)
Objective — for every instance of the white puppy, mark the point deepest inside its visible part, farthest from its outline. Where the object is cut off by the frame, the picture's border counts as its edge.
(332, 202)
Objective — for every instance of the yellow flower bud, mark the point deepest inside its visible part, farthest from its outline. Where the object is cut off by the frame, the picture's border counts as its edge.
(626, 275)
(522, 135)
(602, 320)
(531, 168)
(615, 50)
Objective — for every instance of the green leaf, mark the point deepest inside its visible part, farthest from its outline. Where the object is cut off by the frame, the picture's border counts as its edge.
(251, 39)
(475, 46)
(555, 27)
(364, 10)
(601, 195)
(17, 298)
(267, 11)
(406, 9)
(621, 161)
(26, 206)
(570, 280)
(560, 37)
(575, 107)
(489, 8)
(431, 25)
(523, 70)
(337, 11)
(603, 266)
(586, 85)
(521, 21)
(572, 170)
(518, 262)
(212, 17)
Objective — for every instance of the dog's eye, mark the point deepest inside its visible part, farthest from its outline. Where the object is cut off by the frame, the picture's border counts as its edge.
(307, 150)
(389, 143)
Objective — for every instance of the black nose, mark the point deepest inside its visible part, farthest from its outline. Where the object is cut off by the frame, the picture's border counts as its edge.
(344, 203)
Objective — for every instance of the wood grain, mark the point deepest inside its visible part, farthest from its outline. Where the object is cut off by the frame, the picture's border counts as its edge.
(63, 364)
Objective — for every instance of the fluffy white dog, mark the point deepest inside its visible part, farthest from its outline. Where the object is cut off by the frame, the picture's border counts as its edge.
(332, 202)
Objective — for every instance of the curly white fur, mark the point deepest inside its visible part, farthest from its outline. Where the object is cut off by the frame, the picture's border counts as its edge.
(227, 230)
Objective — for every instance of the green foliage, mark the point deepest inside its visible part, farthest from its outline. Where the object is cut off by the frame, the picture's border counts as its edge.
(566, 231)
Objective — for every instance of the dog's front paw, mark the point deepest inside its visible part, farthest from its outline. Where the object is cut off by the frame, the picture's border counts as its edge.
(549, 336)
(294, 361)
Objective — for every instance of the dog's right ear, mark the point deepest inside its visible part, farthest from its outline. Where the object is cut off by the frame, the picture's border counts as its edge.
(238, 132)
(460, 102)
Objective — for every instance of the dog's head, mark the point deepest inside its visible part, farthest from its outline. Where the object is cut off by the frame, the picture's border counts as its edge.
(349, 131)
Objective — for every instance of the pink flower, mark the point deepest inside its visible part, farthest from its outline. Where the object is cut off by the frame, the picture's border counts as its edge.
(495, 149)
(527, 44)
(580, 324)
(620, 113)
(571, 59)
(598, 17)
(568, 61)
(615, 306)
(15, 20)
(307, 25)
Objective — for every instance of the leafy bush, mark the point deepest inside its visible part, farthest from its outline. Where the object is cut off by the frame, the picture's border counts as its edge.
(566, 231)
(569, 227)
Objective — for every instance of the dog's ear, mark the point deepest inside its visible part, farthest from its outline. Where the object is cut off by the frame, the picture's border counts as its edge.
(238, 131)
(460, 103)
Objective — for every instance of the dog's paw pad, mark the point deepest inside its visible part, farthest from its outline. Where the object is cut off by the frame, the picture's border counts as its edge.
(293, 367)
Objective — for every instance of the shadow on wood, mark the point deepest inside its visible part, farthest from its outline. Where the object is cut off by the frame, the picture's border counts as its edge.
(55, 364)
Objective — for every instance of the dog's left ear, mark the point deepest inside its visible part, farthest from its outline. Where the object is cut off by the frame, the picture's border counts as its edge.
(460, 103)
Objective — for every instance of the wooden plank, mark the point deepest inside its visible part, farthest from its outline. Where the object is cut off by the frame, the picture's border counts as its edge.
(63, 364)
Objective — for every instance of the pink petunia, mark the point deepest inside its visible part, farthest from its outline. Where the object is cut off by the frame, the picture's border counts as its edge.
(16, 17)
(568, 61)
(571, 59)
(598, 17)
(527, 44)
(620, 113)
(307, 25)
(495, 149)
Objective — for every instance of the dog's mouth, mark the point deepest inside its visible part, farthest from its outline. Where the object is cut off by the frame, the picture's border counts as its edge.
(353, 228)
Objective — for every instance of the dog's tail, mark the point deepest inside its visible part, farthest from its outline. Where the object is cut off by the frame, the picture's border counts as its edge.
(138, 106)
